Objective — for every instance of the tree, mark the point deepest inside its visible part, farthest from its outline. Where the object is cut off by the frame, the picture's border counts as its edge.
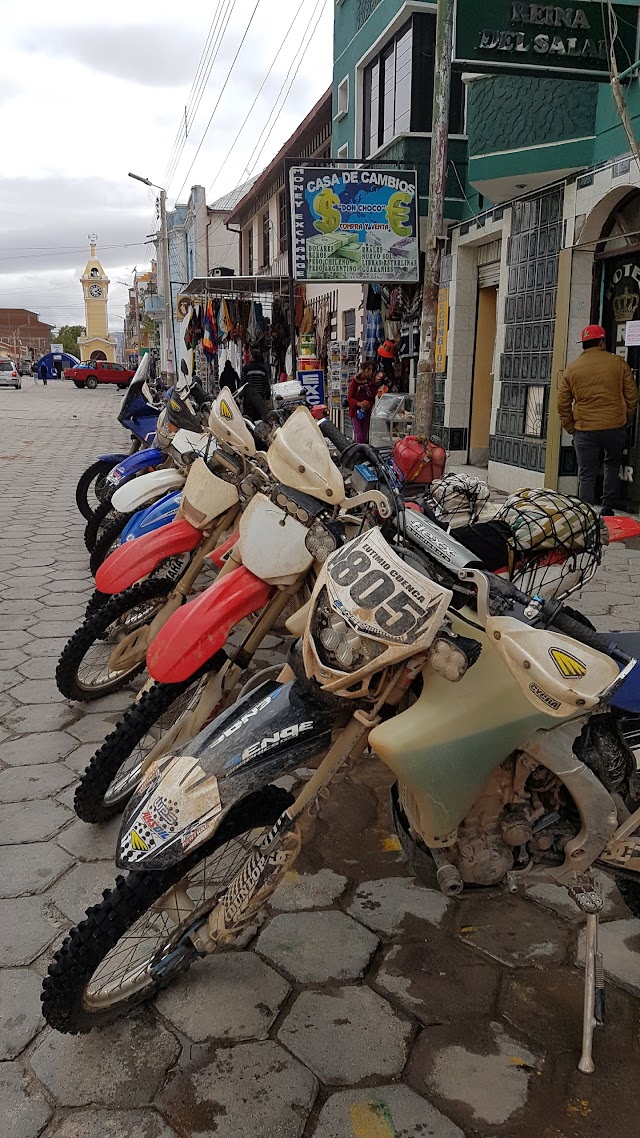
(67, 335)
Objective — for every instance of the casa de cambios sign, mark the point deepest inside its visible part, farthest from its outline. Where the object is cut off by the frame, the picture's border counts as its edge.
(569, 40)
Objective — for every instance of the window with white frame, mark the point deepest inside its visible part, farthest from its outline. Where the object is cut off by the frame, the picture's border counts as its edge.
(343, 151)
(343, 98)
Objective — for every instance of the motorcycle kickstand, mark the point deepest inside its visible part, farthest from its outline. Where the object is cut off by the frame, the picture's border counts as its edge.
(589, 902)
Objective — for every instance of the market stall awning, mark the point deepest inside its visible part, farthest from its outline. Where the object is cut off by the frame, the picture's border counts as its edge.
(236, 286)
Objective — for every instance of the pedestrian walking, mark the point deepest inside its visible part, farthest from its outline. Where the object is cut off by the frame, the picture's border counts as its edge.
(43, 373)
(361, 398)
(597, 400)
(257, 394)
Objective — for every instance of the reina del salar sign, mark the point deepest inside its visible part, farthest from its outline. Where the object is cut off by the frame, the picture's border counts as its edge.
(570, 39)
(354, 225)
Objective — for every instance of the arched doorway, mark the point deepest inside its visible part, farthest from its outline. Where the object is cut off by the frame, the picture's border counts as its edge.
(616, 305)
(98, 354)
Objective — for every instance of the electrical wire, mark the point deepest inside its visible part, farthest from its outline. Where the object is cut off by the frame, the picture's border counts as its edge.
(222, 90)
(616, 89)
(226, 17)
(258, 93)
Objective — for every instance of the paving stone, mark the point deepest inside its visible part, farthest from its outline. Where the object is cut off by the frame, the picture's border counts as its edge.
(40, 717)
(234, 996)
(46, 628)
(314, 947)
(94, 728)
(545, 1007)
(11, 657)
(36, 572)
(38, 748)
(23, 607)
(32, 589)
(327, 1031)
(91, 843)
(31, 821)
(82, 887)
(37, 692)
(479, 1074)
(25, 929)
(393, 903)
(20, 1003)
(39, 780)
(9, 679)
(619, 943)
(382, 1112)
(308, 890)
(37, 668)
(67, 797)
(49, 646)
(438, 980)
(24, 1112)
(31, 868)
(254, 1090)
(13, 631)
(121, 1065)
(79, 759)
(556, 898)
(113, 1124)
(511, 930)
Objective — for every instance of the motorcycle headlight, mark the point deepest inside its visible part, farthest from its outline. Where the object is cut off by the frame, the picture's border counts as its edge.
(320, 542)
(338, 645)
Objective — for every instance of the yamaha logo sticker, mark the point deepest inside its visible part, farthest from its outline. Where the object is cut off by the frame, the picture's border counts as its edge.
(568, 666)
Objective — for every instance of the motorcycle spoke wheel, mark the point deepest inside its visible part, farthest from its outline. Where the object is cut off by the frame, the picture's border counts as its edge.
(108, 964)
(122, 786)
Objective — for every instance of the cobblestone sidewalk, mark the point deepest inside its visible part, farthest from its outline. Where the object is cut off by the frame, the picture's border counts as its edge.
(368, 1006)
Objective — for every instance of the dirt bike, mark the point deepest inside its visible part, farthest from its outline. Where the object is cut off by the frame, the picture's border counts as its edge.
(517, 791)
(266, 568)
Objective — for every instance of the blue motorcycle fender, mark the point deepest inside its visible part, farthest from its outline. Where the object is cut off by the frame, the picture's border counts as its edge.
(155, 516)
(112, 459)
(134, 464)
(183, 798)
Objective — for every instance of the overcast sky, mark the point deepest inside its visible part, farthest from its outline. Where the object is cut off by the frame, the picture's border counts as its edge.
(90, 91)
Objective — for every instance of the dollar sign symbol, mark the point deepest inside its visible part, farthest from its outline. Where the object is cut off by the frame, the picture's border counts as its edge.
(398, 214)
(324, 205)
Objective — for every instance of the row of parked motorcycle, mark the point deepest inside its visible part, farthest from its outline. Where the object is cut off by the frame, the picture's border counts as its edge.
(425, 625)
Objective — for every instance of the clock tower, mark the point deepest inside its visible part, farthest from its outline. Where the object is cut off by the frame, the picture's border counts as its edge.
(97, 344)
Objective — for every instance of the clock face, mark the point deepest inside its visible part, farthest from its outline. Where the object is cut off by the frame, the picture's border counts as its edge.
(95, 291)
(94, 272)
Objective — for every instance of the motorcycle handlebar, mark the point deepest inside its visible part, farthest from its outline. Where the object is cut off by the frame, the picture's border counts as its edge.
(585, 635)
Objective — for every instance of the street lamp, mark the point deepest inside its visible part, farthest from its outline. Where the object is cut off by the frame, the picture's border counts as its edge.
(164, 261)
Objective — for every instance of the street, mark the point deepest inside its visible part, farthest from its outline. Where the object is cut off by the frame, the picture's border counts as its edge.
(368, 1006)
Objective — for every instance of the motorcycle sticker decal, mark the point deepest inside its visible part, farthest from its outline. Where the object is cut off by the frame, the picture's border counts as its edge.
(270, 742)
(225, 410)
(544, 698)
(568, 666)
(378, 594)
(243, 719)
(138, 843)
(164, 811)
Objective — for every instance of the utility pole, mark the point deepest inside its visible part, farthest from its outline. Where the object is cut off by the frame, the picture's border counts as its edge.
(137, 316)
(168, 306)
(435, 219)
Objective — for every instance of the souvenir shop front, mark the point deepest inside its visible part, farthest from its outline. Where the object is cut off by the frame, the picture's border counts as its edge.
(224, 319)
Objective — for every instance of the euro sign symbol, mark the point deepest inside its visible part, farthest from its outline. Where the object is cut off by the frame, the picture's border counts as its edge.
(324, 205)
(398, 214)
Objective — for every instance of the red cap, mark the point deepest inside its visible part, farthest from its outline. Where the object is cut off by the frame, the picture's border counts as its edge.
(592, 332)
(387, 350)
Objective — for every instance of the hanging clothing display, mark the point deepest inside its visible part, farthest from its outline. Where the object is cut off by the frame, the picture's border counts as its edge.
(373, 333)
(210, 337)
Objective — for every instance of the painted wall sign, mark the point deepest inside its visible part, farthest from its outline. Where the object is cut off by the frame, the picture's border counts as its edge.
(442, 330)
(354, 225)
(570, 40)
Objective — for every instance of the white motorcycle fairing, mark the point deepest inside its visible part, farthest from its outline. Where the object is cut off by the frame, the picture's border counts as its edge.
(146, 489)
(299, 457)
(272, 544)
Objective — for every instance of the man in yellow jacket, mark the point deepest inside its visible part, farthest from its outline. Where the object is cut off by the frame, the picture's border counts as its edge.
(596, 402)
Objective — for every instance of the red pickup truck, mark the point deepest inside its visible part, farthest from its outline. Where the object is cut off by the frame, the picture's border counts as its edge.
(93, 372)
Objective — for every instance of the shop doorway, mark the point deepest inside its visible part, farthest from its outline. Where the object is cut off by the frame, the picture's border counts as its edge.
(620, 285)
(482, 382)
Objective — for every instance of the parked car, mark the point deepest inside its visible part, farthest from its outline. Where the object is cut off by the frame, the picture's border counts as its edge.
(9, 376)
(93, 372)
(24, 367)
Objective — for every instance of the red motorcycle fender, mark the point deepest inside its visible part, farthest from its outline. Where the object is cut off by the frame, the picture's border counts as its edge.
(218, 555)
(200, 629)
(135, 559)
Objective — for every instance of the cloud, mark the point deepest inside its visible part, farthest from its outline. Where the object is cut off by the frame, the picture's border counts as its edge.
(153, 56)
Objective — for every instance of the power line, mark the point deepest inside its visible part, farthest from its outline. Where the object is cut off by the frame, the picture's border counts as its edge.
(63, 250)
(226, 17)
(259, 92)
(222, 90)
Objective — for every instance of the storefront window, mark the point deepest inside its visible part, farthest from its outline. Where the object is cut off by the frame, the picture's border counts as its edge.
(349, 317)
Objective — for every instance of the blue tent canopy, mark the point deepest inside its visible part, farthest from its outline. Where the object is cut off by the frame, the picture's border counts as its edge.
(51, 359)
